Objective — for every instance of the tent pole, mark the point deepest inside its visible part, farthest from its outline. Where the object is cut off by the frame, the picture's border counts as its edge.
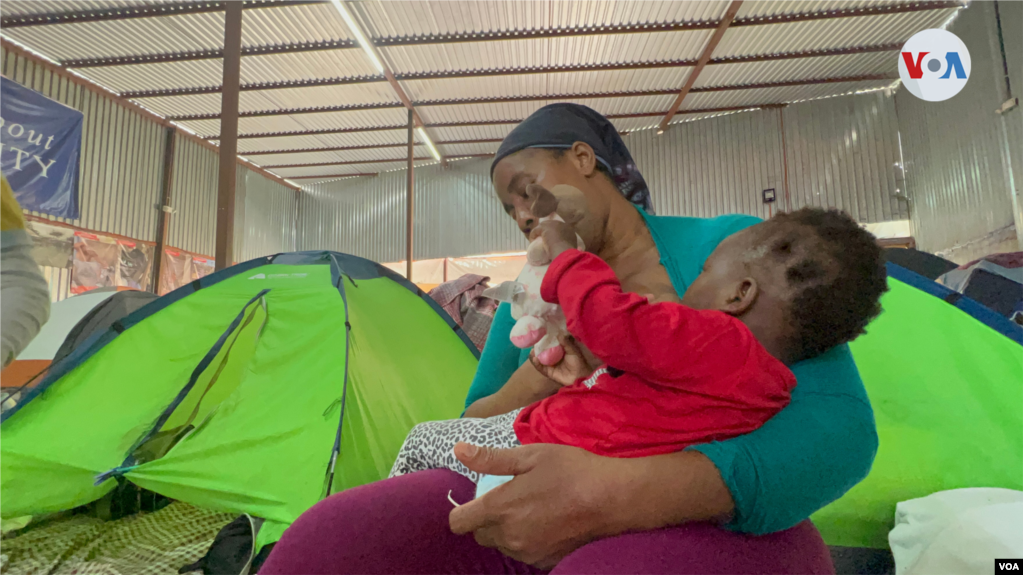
(409, 192)
(229, 134)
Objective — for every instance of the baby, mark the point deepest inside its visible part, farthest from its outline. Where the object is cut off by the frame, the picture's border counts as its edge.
(678, 374)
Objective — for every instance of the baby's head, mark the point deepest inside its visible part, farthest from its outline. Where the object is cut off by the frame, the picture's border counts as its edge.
(803, 282)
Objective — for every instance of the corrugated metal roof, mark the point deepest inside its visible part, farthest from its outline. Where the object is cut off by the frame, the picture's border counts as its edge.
(406, 18)
(766, 8)
(826, 34)
(801, 69)
(430, 20)
(577, 50)
(254, 69)
(24, 8)
(777, 95)
(543, 84)
(520, 110)
(304, 122)
(322, 141)
(347, 169)
(189, 32)
(343, 156)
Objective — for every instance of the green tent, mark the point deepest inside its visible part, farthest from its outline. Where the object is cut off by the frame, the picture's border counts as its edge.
(259, 389)
(945, 378)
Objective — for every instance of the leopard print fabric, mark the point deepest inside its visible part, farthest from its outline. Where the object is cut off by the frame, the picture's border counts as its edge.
(431, 445)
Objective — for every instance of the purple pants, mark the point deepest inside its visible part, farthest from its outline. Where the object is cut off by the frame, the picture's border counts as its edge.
(400, 526)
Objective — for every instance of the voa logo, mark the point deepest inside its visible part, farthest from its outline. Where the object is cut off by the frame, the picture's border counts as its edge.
(934, 65)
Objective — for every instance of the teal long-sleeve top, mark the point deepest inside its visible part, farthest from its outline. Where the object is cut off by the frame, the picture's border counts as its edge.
(808, 455)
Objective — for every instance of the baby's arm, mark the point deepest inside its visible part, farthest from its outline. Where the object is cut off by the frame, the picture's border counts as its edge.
(525, 387)
(654, 341)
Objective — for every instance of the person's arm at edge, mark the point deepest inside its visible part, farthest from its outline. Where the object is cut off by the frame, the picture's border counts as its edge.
(25, 293)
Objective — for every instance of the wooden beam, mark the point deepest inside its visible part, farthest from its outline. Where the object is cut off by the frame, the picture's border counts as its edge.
(163, 222)
(224, 254)
(705, 57)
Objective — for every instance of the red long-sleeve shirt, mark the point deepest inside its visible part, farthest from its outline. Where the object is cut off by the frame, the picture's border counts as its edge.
(685, 376)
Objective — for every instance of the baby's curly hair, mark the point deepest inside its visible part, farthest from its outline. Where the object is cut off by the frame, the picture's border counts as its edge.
(837, 277)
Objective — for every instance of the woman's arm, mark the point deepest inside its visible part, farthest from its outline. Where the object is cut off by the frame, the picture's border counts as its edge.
(25, 293)
(499, 359)
(808, 455)
(526, 386)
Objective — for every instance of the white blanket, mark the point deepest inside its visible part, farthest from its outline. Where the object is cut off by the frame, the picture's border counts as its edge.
(957, 532)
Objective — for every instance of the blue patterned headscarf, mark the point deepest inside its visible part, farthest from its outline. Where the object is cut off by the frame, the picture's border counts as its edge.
(561, 125)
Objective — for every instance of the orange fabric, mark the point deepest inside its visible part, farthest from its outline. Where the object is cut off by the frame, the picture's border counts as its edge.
(20, 371)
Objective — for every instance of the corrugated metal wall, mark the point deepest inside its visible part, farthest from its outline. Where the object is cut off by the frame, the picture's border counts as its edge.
(193, 225)
(265, 213)
(122, 154)
(264, 209)
(711, 167)
(457, 214)
(840, 154)
(121, 178)
(1011, 15)
(953, 150)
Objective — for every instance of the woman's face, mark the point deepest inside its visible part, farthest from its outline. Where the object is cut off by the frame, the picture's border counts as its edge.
(576, 168)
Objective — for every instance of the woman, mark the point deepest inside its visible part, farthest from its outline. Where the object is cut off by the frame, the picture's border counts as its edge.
(577, 512)
(25, 293)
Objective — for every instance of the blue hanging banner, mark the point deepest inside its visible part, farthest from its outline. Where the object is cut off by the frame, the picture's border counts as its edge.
(40, 144)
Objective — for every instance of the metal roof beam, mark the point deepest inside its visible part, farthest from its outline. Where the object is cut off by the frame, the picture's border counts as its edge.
(311, 83)
(708, 51)
(351, 162)
(133, 12)
(207, 54)
(335, 176)
(373, 147)
(541, 97)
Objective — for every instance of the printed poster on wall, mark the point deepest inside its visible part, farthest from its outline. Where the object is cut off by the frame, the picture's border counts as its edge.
(201, 267)
(40, 145)
(95, 264)
(135, 261)
(175, 272)
(51, 245)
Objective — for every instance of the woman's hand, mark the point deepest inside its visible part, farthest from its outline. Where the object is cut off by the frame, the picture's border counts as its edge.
(570, 369)
(564, 497)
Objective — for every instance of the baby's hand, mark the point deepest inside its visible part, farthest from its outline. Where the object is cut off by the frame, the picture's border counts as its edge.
(572, 368)
(558, 237)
